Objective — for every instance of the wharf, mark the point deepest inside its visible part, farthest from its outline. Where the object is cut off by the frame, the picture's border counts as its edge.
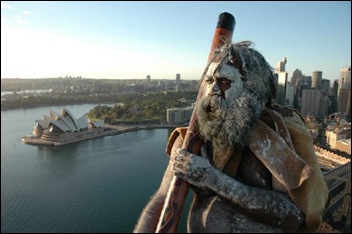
(109, 130)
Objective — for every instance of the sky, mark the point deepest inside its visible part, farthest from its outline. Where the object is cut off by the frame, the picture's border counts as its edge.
(130, 40)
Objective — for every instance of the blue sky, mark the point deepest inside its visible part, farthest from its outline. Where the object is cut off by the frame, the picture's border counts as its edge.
(126, 40)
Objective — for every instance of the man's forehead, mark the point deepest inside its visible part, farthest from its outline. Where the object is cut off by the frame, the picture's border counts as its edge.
(212, 68)
(223, 69)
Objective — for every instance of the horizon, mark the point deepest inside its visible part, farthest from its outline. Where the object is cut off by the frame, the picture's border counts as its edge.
(87, 78)
(130, 40)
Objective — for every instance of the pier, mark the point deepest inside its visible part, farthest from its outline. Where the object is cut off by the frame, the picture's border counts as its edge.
(108, 130)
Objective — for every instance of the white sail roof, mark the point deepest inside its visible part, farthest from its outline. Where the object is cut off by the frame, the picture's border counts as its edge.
(67, 122)
(67, 113)
(83, 122)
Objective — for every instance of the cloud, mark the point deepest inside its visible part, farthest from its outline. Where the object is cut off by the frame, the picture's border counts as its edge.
(27, 12)
(19, 19)
(5, 6)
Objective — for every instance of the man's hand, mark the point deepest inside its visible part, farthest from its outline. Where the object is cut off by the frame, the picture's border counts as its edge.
(277, 208)
(192, 168)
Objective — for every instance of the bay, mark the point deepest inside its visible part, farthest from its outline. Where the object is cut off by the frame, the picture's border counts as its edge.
(99, 185)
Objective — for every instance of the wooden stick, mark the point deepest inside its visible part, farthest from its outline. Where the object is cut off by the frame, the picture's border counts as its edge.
(178, 190)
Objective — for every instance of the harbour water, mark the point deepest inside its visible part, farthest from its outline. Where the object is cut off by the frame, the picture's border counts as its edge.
(99, 185)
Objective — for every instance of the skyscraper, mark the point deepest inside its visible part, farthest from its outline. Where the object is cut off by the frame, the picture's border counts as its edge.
(281, 82)
(280, 66)
(297, 74)
(344, 91)
(344, 101)
(290, 91)
(334, 91)
(178, 79)
(317, 77)
(345, 78)
(310, 102)
(325, 85)
(147, 81)
(324, 104)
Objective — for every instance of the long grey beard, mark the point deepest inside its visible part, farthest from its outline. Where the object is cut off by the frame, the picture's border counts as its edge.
(227, 122)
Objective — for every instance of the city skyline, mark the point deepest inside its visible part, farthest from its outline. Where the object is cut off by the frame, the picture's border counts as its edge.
(126, 40)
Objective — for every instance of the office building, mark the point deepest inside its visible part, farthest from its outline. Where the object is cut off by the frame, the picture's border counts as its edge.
(281, 85)
(178, 79)
(344, 91)
(345, 78)
(310, 102)
(317, 77)
(179, 115)
(344, 101)
(325, 85)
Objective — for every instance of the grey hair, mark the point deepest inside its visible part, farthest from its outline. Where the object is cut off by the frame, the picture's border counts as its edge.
(258, 75)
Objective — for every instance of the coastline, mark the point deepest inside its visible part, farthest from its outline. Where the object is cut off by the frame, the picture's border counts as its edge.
(109, 130)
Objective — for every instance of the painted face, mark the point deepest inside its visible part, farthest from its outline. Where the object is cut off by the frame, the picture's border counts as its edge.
(236, 86)
(227, 110)
(223, 80)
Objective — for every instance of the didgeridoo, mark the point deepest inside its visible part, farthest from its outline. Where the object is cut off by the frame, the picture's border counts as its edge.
(178, 190)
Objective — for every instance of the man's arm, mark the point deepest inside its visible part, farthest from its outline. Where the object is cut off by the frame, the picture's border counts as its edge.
(150, 215)
(268, 206)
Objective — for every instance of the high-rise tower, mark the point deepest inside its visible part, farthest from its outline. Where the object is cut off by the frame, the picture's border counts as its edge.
(317, 77)
(345, 78)
(178, 79)
(281, 82)
(344, 91)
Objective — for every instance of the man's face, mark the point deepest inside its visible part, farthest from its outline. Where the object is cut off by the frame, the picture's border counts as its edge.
(226, 111)
(222, 75)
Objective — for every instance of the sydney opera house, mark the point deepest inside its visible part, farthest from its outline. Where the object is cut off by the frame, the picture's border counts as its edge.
(57, 129)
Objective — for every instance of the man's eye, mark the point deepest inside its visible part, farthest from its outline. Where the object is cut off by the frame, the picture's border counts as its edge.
(209, 80)
(225, 81)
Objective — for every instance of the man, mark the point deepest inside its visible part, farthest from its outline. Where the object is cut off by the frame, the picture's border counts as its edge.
(257, 171)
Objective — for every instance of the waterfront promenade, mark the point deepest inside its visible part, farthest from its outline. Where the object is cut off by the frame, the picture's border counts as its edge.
(109, 130)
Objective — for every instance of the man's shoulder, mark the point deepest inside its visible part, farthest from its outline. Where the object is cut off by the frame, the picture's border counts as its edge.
(291, 117)
(285, 111)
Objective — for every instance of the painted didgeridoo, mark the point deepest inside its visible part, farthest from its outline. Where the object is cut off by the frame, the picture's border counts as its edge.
(178, 190)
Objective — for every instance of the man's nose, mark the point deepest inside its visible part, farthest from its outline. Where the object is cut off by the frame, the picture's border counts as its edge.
(215, 89)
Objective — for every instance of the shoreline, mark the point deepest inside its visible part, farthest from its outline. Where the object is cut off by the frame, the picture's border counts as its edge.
(109, 130)
(14, 107)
